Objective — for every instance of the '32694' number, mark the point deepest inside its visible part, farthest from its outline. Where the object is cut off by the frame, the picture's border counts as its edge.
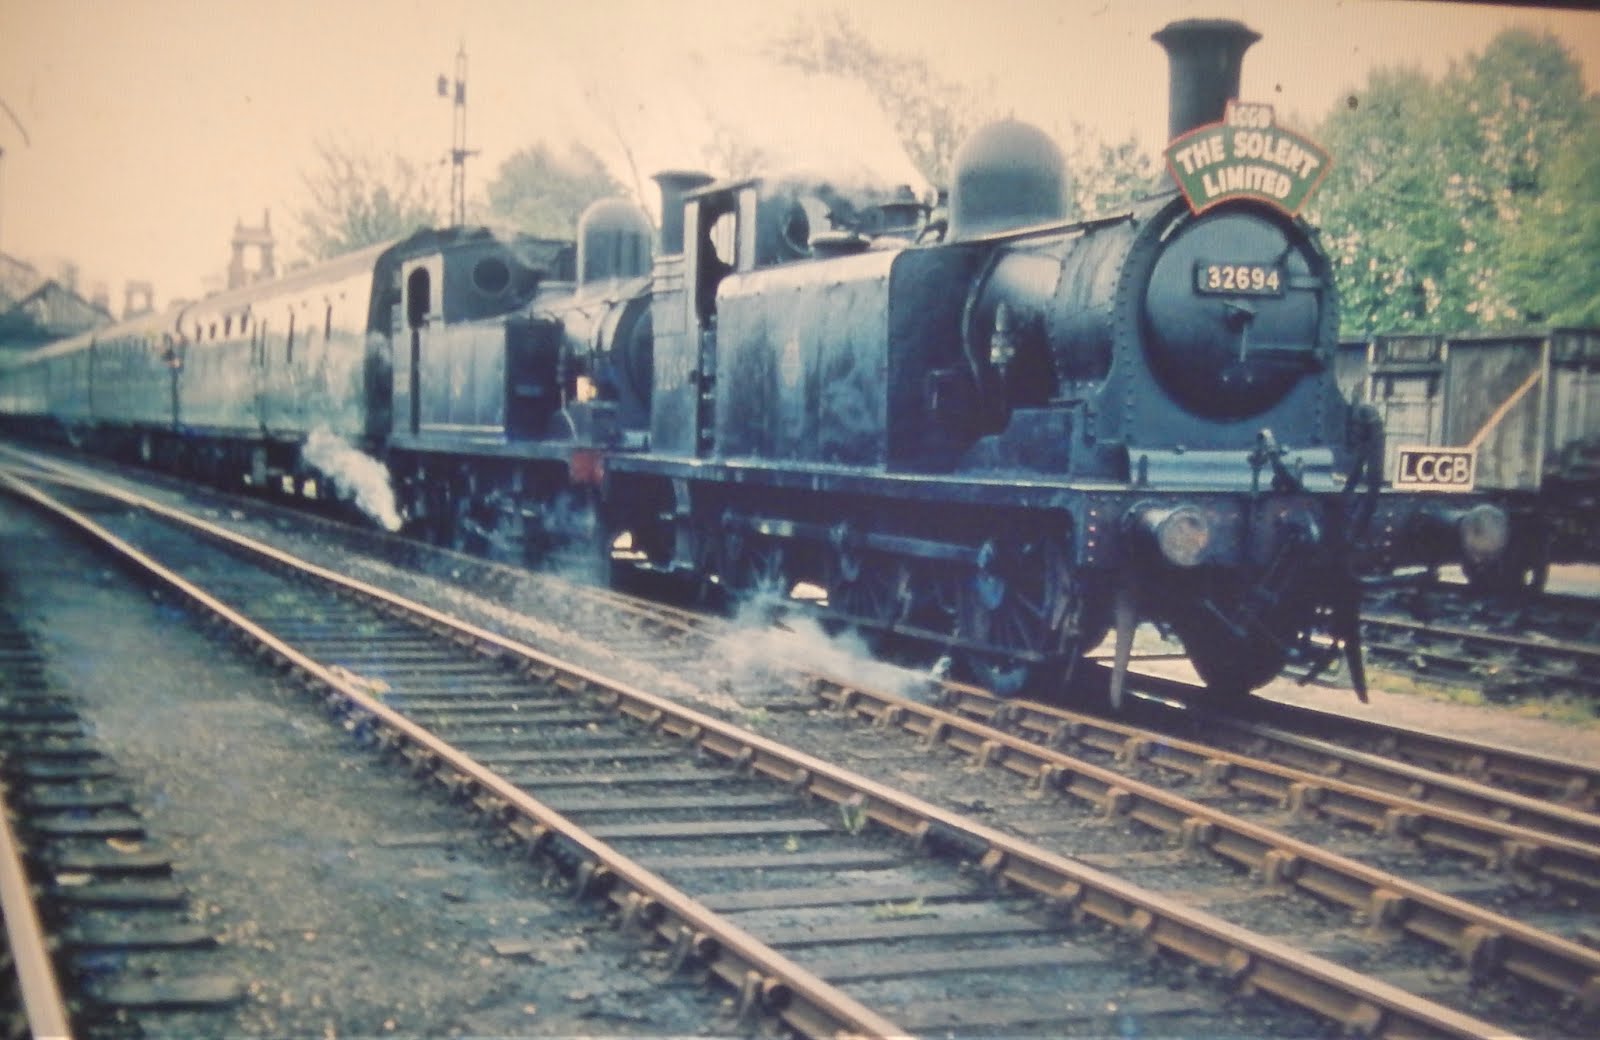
(1233, 279)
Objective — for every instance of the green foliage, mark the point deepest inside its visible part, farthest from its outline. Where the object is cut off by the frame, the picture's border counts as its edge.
(1441, 210)
(853, 815)
(543, 193)
(358, 200)
(1106, 178)
(1378, 208)
(1551, 254)
(911, 908)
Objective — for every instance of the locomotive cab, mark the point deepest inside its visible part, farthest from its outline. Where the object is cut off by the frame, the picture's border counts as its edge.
(722, 382)
(450, 294)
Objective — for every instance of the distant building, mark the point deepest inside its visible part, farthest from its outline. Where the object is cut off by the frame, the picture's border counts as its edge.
(259, 239)
(17, 277)
(138, 297)
(35, 309)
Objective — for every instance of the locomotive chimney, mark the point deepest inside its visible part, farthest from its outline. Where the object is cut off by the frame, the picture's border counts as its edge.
(675, 184)
(1205, 57)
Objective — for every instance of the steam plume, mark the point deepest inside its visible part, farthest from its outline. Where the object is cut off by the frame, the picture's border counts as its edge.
(357, 477)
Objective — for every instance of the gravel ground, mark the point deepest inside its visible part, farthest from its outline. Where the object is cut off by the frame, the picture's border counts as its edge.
(349, 901)
(1399, 702)
(1527, 726)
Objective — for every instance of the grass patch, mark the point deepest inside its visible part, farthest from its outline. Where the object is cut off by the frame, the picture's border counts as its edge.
(1563, 708)
(854, 817)
(1518, 699)
(900, 911)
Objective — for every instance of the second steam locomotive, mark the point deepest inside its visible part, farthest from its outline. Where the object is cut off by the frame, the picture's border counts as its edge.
(1006, 436)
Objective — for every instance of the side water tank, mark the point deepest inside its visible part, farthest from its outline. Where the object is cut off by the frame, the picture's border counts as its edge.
(613, 242)
(1008, 175)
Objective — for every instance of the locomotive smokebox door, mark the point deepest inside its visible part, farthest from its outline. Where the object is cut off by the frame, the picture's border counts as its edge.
(1233, 307)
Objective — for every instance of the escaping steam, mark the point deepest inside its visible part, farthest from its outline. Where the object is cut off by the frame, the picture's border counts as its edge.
(702, 115)
(357, 477)
(770, 635)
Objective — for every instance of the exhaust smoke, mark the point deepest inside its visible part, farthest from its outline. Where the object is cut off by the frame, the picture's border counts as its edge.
(356, 476)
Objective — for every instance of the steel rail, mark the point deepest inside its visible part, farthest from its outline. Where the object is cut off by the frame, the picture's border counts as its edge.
(1482, 939)
(759, 974)
(1248, 960)
(1580, 649)
(1575, 784)
(1552, 613)
(1499, 830)
(1466, 653)
(1325, 758)
(42, 1005)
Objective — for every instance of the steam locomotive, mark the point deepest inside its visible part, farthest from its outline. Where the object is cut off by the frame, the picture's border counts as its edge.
(1005, 433)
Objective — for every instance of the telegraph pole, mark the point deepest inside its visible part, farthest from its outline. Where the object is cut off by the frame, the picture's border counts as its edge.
(25, 142)
(458, 137)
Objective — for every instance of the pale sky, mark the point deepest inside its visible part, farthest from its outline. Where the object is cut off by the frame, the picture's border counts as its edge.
(153, 125)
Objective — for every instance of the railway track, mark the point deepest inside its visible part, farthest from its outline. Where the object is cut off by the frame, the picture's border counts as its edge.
(1539, 647)
(1542, 645)
(91, 905)
(1041, 901)
(1557, 616)
(30, 987)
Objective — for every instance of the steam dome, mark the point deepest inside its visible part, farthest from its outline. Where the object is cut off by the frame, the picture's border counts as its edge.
(613, 241)
(1008, 175)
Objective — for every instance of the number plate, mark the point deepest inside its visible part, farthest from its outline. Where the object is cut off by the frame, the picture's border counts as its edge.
(1221, 279)
(1422, 468)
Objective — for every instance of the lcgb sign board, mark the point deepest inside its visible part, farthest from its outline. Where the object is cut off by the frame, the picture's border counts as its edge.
(1246, 156)
(1435, 469)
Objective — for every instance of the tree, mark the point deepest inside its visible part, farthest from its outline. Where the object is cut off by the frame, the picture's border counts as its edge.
(358, 200)
(1107, 177)
(931, 114)
(1522, 100)
(1429, 209)
(1391, 242)
(543, 193)
(1551, 251)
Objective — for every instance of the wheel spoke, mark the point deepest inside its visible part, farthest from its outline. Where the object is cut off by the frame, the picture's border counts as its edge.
(1024, 607)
